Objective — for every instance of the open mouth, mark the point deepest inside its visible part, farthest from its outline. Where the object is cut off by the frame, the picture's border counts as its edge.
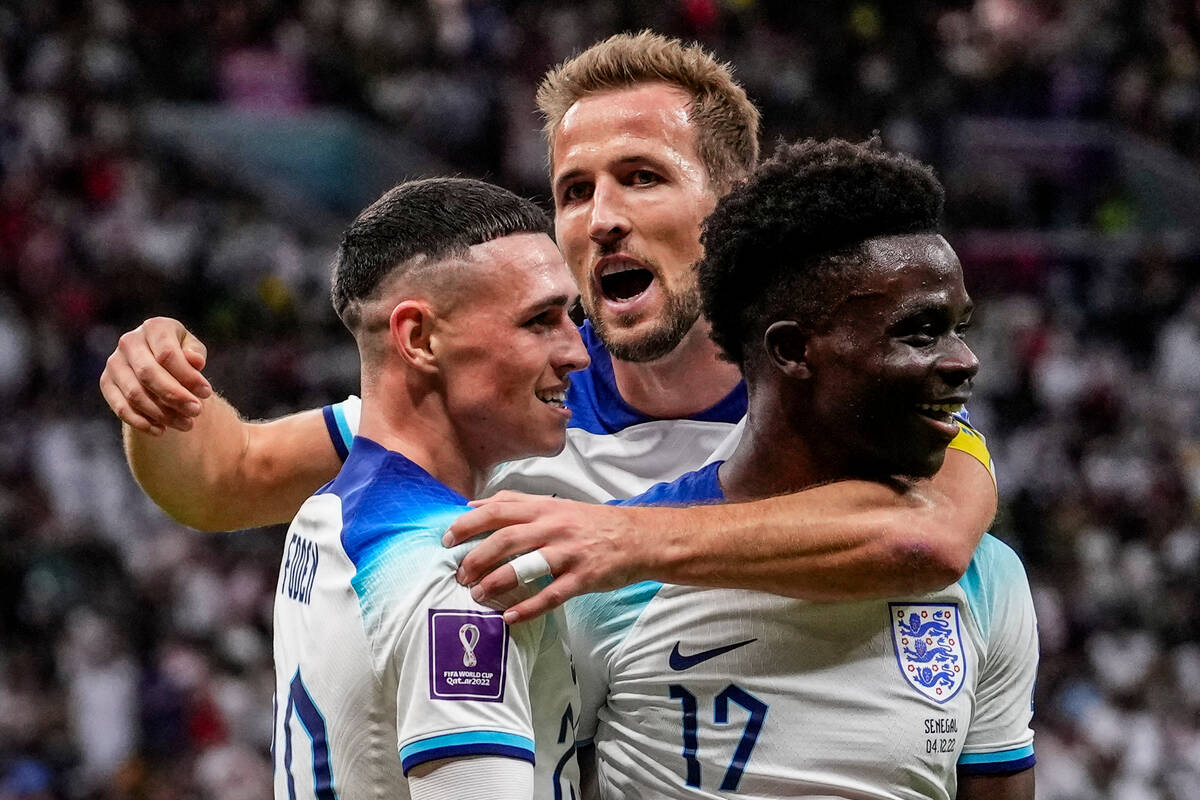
(941, 412)
(624, 281)
(556, 398)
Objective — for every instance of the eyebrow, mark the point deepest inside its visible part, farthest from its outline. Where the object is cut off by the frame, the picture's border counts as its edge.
(624, 161)
(557, 301)
(918, 307)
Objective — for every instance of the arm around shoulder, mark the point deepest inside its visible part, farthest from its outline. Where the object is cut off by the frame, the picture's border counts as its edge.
(226, 473)
(847, 540)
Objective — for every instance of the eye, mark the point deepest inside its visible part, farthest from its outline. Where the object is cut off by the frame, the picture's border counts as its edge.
(921, 336)
(921, 330)
(546, 319)
(575, 192)
(643, 177)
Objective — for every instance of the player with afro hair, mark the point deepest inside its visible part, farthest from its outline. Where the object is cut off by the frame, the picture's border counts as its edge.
(790, 236)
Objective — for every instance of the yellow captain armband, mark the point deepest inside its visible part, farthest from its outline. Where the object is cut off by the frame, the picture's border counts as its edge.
(971, 441)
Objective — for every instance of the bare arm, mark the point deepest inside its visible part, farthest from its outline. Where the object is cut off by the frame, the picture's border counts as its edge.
(589, 785)
(1017, 786)
(845, 540)
(472, 778)
(191, 452)
(227, 473)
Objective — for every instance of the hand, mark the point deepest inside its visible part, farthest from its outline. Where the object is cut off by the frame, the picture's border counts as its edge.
(589, 548)
(152, 380)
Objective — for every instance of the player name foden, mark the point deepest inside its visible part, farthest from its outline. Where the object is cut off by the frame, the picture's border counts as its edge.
(299, 569)
(942, 725)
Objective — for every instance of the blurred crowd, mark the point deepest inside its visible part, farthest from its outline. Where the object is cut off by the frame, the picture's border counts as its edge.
(135, 656)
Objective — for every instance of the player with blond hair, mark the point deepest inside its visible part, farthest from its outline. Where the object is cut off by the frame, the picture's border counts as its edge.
(645, 134)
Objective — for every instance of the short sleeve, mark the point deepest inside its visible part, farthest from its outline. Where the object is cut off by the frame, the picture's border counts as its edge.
(1000, 739)
(597, 625)
(341, 420)
(462, 676)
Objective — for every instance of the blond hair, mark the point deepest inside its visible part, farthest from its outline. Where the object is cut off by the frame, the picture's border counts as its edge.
(726, 121)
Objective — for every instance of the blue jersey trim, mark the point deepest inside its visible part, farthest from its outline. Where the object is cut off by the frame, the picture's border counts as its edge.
(339, 430)
(597, 406)
(393, 516)
(1015, 760)
(471, 743)
(691, 488)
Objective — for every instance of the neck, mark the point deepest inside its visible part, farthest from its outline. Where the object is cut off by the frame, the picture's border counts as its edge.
(774, 456)
(415, 424)
(691, 378)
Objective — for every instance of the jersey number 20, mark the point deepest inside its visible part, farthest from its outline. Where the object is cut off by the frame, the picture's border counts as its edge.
(300, 702)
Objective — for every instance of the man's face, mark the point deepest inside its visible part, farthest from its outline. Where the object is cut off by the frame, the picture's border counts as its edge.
(892, 363)
(630, 194)
(505, 350)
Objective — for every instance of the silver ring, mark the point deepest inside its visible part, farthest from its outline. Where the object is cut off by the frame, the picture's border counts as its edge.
(530, 566)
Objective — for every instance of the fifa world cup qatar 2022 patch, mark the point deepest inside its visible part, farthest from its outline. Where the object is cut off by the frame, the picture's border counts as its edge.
(927, 640)
(468, 651)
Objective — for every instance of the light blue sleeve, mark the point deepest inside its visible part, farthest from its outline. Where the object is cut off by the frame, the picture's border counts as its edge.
(597, 624)
(999, 739)
(341, 420)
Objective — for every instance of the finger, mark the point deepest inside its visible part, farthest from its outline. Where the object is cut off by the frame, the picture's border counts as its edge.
(125, 412)
(495, 550)
(504, 496)
(133, 393)
(484, 519)
(197, 356)
(157, 380)
(467, 526)
(495, 583)
(554, 595)
(177, 353)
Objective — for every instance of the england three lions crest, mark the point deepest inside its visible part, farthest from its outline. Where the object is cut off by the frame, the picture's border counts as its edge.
(927, 639)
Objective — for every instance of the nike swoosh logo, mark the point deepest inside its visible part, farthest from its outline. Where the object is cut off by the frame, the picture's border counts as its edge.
(679, 662)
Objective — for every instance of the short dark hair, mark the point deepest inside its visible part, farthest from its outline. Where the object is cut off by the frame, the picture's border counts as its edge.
(431, 219)
(774, 246)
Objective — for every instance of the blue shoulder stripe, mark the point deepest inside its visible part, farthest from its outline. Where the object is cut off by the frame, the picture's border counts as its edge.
(470, 743)
(339, 430)
(1005, 761)
(597, 405)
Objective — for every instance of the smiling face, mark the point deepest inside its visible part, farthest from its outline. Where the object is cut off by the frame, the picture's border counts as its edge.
(505, 349)
(630, 194)
(891, 365)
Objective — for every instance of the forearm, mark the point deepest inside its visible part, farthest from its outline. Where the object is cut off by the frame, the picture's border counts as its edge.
(1017, 786)
(841, 541)
(472, 778)
(186, 473)
(227, 473)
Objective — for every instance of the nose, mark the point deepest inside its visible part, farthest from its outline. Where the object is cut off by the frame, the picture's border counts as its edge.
(609, 222)
(569, 354)
(958, 363)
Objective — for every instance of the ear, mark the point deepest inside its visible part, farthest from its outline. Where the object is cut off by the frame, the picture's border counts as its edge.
(786, 345)
(410, 330)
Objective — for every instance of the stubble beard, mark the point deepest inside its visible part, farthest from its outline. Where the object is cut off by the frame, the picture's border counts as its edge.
(680, 312)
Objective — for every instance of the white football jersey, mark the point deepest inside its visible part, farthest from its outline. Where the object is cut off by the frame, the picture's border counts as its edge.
(728, 693)
(383, 661)
(613, 451)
